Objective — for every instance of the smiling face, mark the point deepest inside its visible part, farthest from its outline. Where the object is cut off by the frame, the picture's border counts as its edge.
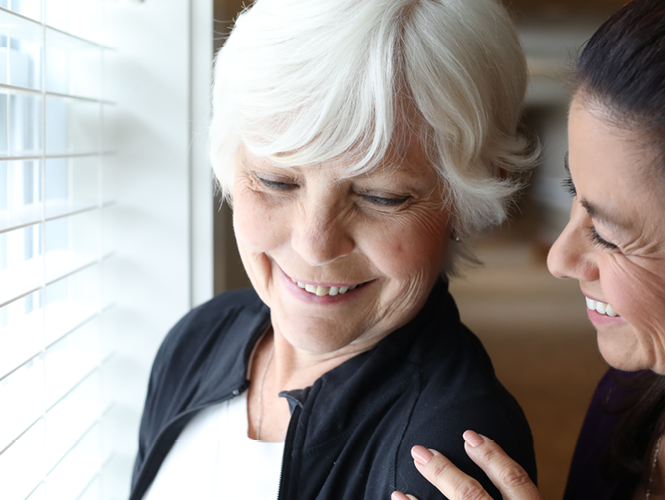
(614, 243)
(382, 235)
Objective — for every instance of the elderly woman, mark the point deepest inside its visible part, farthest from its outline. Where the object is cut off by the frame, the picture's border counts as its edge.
(614, 245)
(355, 140)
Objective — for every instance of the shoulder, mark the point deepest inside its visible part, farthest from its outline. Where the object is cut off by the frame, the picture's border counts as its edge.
(219, 329)
(459, 391)
(612, 398)
(204, 343)
(216, 311)
(211, 319)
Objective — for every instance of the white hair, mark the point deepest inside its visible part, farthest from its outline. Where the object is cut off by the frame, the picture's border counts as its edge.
(306, 81)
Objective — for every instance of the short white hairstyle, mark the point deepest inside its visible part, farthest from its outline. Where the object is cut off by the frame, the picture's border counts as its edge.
(306, 81)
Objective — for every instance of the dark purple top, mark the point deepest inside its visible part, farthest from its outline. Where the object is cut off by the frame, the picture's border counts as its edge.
(585, 479)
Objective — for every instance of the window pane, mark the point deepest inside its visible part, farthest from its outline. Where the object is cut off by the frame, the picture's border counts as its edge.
(72, 184)
(73, 66)
(25, 124)
(22, 465)
(93, 491)
(21, 263)
(21, 332)
(71, 418)
(20, 193)
(4, 123)
(86, 19)
(50, 249)
(28, 8)
(24, 52)
(72, 126)
(39, 493)
(23, 391)
(4, 47)
(82, 18)
(56, 12)
(71, 476)
(71, 243)
(70, 302)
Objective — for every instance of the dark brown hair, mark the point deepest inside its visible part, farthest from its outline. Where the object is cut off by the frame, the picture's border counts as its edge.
(622, 71)
(632, 446)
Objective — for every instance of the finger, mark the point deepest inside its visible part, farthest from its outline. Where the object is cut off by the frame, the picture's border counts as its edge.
(398, 495)
(507, 475)
(447, 478)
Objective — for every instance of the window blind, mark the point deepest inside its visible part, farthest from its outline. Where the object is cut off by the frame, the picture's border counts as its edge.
(54, 207)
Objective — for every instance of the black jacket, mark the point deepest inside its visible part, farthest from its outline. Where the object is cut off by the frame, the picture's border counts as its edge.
(351, 432)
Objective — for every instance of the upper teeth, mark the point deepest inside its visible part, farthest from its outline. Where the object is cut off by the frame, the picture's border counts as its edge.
(601, 307)
(324, 290)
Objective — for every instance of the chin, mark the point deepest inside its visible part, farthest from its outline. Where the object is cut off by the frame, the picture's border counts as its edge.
(617, 356)
(310, 337)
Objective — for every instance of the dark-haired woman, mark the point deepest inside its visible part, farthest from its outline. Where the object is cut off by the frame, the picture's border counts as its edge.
(614, 245)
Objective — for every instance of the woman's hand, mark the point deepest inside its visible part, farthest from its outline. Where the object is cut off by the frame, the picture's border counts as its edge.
(506, 474)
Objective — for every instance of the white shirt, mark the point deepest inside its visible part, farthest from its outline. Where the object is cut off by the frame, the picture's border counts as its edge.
(214, 459)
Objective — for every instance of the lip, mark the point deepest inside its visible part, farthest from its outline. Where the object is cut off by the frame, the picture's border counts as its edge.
(328, 284)
(303, 295)
(602, 319)
(592, 298)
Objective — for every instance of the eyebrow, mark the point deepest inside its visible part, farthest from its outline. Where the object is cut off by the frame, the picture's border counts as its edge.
(604, 217)
(592, 210)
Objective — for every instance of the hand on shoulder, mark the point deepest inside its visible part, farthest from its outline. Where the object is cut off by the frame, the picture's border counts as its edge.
(507, 475)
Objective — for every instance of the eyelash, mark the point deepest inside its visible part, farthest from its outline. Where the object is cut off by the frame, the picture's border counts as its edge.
(385, 202)
(278, 185)
(595, 237)
(599, 240)
(376, 200)
(569, 186)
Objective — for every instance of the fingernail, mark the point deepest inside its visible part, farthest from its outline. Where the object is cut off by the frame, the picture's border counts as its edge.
(398, 495)
(473, 439)
(421, 454)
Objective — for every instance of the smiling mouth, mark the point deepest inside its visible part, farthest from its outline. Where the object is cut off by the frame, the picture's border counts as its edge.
(321, 291)
(601, 307)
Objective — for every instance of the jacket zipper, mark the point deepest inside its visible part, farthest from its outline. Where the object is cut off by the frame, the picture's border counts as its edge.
(148, 455)
(285, 469)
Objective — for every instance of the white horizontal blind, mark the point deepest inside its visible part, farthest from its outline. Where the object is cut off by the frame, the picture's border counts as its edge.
(53, 204)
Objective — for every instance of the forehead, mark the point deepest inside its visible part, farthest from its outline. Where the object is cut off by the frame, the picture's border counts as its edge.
(617, 157)
(612, 169)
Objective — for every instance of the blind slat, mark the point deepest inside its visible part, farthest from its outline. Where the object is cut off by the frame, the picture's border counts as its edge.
(53, 248)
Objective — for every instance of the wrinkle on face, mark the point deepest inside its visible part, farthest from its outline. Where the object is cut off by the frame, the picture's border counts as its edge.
(326, 229)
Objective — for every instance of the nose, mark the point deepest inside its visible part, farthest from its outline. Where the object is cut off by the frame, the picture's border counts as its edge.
(571, 255)
(321, 235)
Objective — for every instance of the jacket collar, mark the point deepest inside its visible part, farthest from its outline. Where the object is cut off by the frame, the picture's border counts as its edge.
(225, 372)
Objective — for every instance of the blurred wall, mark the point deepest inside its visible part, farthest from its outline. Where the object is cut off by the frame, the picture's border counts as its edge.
(552, 34)
(229, 271)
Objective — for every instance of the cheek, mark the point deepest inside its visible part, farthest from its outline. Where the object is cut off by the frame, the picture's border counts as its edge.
(407, 249)
(637, 293)
(256, 226)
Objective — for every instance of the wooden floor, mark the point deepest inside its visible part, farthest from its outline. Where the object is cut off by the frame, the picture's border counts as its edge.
(542, 344)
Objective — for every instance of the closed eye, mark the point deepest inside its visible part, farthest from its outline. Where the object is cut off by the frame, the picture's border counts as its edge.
(599, 240)
(273, 184)
(385, 202)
